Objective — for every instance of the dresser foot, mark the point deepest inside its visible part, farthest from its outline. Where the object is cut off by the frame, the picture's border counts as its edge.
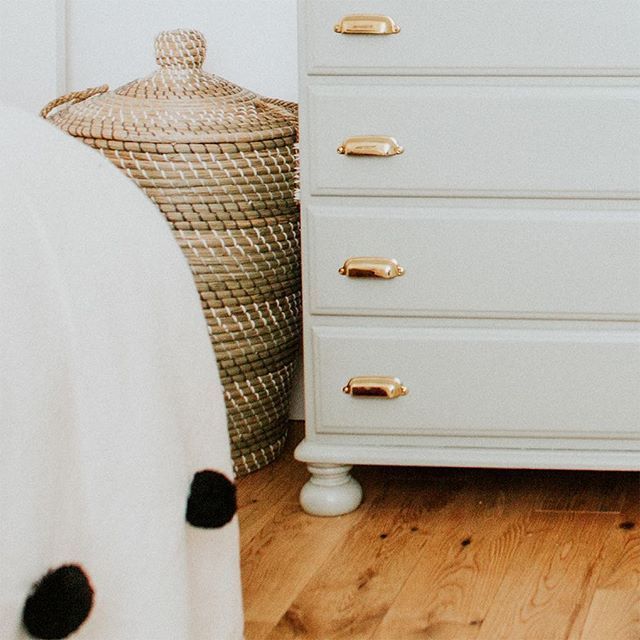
(331, 491)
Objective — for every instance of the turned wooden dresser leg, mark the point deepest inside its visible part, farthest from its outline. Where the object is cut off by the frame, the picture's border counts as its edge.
(331, 491)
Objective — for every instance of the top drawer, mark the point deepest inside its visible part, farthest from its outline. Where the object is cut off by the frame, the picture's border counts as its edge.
(472, 37)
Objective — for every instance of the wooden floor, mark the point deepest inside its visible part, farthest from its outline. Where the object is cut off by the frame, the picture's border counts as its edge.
(444, 554)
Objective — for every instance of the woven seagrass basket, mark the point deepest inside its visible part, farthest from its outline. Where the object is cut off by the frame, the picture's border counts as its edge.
(220, 163)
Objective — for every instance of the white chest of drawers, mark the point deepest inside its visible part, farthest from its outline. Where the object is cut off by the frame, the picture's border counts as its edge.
(472, 290)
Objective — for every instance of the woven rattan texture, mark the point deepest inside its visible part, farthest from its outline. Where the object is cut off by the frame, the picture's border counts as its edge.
(220, 163)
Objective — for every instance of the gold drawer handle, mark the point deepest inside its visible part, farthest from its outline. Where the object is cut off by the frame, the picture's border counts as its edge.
(370, 146)
(368, 25)
(375, 387)
(366, 267)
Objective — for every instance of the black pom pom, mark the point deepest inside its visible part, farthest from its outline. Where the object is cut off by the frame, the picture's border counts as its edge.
(212, 501)
(58, 604)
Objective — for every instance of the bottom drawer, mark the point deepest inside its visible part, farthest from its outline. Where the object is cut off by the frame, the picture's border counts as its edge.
(525, 382)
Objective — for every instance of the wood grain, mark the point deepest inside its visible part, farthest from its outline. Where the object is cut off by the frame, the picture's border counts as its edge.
(283, 557)
(280, 558)
(615, 607)
(260, 495)
(550, 580)
(443, 554)
(362, 577)
(471, 542)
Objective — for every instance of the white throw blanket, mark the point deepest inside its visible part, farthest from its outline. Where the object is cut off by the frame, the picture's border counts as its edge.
(110, 400)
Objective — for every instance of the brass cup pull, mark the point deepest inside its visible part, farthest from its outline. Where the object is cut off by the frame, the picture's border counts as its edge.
(382, 146)
(367, 25)
(375, 387)
(368, 267)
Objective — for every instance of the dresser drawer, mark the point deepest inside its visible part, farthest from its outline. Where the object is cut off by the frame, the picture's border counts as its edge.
(498, 262)
(480, 381)
(492, 37)
(475, 138)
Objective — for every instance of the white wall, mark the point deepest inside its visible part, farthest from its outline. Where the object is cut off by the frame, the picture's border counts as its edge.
(31, 52)
(251, 42)
(48, 47)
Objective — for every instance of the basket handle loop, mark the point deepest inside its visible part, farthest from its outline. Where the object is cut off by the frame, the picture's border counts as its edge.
(72, 98)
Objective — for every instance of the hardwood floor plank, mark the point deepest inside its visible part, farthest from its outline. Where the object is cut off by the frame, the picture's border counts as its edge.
(260, 494)
(584, 491)
(352, 590)
(615, 607)
(613, 614)
(469, 554)
(461, 566)
(256, 482)
(282, 558)
(284, 555)
(551, 579)
(630, 512)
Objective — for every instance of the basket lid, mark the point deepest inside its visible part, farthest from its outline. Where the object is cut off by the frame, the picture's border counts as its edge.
(178, 103)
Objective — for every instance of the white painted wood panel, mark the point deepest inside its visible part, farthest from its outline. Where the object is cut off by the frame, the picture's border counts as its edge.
(508, 455)
(514, 211)
(485, 138)
(485, 381)
(527, 37)
(508, 262)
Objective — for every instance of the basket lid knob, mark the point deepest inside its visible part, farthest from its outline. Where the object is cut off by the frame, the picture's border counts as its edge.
(182, 48)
